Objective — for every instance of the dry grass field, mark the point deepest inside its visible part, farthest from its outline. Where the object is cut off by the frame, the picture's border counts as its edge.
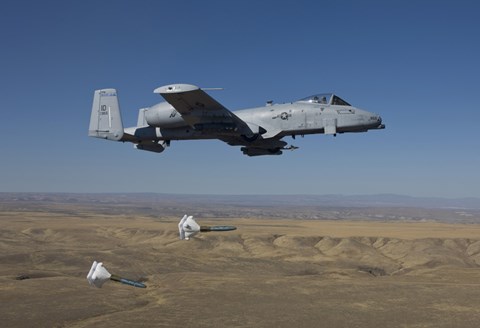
(267, 273)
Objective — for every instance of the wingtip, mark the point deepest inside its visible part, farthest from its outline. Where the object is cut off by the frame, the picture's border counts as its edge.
(175, 88)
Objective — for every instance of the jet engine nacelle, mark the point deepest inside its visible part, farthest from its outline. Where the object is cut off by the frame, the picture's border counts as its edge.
(163, 115)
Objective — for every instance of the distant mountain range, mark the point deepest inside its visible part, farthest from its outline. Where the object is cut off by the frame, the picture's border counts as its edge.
(380, 200)
(306, 207)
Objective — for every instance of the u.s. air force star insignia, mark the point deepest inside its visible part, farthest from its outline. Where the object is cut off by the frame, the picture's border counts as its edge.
(284, 116)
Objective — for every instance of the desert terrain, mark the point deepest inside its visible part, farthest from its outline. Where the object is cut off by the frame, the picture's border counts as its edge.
(270, 272)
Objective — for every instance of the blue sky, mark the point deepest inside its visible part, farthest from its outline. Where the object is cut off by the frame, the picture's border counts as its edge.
(414, 63)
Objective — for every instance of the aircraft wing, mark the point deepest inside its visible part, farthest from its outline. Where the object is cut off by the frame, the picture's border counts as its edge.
(201, 111)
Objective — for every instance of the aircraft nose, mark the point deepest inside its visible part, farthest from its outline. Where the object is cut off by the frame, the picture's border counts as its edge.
(379, 121)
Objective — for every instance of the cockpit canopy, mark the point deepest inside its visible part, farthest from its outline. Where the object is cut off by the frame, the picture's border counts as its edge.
(325, 98)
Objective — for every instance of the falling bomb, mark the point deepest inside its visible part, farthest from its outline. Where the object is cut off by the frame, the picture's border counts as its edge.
(188, 227)
(98, 275)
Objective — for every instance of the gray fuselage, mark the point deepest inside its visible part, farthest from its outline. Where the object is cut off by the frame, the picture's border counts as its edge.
(298, 118)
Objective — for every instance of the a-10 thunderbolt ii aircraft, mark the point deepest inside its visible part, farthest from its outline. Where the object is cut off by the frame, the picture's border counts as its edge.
(189, 113)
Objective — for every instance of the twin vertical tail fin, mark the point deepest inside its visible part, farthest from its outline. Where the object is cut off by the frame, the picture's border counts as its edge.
(105, 120)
